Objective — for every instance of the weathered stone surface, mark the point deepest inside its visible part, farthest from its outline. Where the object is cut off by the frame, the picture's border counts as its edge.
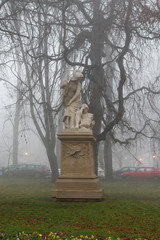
(77, 180)
(71, 88)
(75, 117)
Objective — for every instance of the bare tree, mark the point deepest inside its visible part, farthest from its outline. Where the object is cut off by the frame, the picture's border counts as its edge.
(125, 27)
(89, 29)
(39, 84)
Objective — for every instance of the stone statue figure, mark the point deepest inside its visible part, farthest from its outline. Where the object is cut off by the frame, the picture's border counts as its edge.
(71, 98)
(84, 120)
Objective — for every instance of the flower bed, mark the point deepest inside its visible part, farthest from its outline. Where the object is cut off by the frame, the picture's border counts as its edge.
(51, 236)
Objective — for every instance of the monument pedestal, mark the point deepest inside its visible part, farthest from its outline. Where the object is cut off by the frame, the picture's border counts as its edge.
(77, 180)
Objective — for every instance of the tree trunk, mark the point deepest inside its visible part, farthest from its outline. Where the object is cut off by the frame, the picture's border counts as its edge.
(16, 133)
(108, 159)
(109, 89)
(97, 74)
(52, 160)
(17, 113)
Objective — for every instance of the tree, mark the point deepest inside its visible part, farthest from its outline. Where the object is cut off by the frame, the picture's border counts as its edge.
(122, 26)
(39, 85)
(6, 35)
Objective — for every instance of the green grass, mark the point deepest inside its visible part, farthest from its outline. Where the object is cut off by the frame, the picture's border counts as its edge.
(129, 211)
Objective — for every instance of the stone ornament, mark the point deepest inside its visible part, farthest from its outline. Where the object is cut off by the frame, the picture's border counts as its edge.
(75, 150)
(74, 118)
(84, 120)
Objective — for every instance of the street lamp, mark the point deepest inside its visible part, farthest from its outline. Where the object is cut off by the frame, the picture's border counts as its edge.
(140, 160)
(26, 154)
(154, 158)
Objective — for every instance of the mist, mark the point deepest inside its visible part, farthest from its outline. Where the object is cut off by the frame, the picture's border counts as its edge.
(120, 83)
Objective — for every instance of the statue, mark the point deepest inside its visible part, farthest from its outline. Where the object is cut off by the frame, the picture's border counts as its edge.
(84, 120)
(71, 98)
(77, 180)
(74, 118)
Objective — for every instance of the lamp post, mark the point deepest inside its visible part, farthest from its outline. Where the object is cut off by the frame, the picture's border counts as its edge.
(154, 160)
(140, 161)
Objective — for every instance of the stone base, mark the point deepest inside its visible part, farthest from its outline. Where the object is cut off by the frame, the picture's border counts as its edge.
(77, 181)
(77, 190)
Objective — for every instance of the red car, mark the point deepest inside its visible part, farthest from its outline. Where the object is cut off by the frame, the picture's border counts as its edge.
(143, 173)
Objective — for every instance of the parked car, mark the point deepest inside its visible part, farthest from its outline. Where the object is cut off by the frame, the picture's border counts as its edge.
(2, 169)
(118, 173)
(27, 170)
(143, 173)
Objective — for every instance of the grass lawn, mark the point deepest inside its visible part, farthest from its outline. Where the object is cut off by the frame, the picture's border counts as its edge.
(129, 210)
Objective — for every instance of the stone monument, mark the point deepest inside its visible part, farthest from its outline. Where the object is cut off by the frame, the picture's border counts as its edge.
(77, 180)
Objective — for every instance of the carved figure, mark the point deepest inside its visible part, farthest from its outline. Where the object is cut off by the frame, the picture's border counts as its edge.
(84, 120)
(71, 98)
